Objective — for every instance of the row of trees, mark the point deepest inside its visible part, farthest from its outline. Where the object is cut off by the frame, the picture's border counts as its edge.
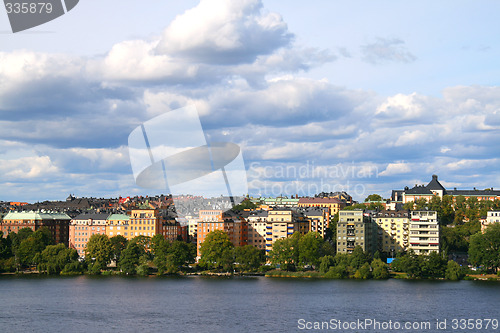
(24, 249)
(433, 265)
(218, 253)
(141, 255)
(312, 252)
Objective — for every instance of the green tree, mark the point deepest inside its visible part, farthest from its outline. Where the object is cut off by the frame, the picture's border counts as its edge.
(410, 263)
(327, 249)
(249, 258)
(434, 265)
(27, 250)
(447, 212)
(217, 251)
(484, 248)
(337, 272)
(118, 244)
(373, 197)
(325, 263)
(380, 270)
(453, 271)
(130, 258)
(98, 253)
(31, 244)
(144, 242)
(421, 204)
(245, 204)
(285, 252)
(363, 272)
(359, 257)
(310, 246)
(5, 247)
(181, 254)
(410, 205)
(54, 258)
(160, 247)
(24, 233)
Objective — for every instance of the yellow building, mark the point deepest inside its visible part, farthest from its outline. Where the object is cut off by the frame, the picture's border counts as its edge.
(144, 222)
(333, 204)
(392, 230)
(118, 224)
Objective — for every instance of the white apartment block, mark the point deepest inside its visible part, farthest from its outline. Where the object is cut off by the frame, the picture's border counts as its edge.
(424, 232)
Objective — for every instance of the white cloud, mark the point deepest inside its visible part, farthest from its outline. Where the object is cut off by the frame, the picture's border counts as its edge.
(27, 168)
(224, 32)
(395, 169)
(387, 50)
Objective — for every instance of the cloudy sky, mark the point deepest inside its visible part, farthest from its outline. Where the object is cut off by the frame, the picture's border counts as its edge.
(362, 96)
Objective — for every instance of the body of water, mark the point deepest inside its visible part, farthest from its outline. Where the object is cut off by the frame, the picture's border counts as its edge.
(253, 304)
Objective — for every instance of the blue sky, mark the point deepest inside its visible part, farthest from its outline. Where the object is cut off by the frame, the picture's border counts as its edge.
(324, 95)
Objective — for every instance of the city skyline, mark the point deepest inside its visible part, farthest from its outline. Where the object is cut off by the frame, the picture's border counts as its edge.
(378, 96)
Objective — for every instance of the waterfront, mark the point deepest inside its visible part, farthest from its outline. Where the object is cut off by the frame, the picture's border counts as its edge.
(209, 304)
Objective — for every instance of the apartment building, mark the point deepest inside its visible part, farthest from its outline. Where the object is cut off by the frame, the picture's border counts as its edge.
(211, 220)
(318, 218)
(83, 226)
(333, 204)
(57, 223)
(424, 232)
(492, 217)
(257, 221)
(356, 228)
(282, 223)
(393, 230)
(145, 222)
(117, 224)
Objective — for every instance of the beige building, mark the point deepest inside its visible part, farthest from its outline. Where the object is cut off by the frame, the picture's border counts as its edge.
(424, 232)
(257, 221)
(393, 230)
(318, 218)
(282, 223)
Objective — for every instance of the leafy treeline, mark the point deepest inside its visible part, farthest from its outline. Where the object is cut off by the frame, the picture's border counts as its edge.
(26, 248)
(218, 253)
(456, 210)
(484, 249)
(141, 255)
(312, 252)
(433, 265)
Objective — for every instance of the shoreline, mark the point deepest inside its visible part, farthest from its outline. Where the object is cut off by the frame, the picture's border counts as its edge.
(281, 275)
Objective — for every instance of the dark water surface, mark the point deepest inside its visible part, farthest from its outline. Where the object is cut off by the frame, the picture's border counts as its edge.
(256, 304)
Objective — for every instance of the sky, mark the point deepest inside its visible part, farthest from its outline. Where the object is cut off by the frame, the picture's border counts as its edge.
(360, 96)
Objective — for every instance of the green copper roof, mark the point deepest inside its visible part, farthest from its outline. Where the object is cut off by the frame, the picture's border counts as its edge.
(118, 217)
(36, 216)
